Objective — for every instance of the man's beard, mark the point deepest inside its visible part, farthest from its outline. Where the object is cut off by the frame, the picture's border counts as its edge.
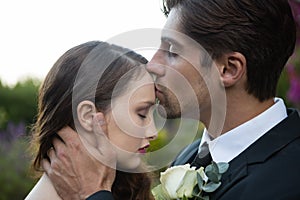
(169, 108)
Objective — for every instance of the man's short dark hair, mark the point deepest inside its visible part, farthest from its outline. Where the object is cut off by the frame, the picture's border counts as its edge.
(262, 30)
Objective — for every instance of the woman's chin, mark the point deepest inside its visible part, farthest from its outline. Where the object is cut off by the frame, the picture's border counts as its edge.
(129, 165)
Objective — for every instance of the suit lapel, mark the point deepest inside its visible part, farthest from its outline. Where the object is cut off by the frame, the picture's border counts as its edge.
(265, 147)
(237, 171)
(275, 139)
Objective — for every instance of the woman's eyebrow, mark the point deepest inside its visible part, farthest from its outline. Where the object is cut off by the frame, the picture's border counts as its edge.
(150, 103)
(147, 104)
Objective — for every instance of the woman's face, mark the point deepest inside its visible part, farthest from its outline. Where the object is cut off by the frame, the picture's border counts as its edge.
(130, 122)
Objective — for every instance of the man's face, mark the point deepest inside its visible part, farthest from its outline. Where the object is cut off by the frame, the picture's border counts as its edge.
(180, 79)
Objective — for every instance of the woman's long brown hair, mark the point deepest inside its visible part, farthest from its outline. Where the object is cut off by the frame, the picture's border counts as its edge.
(78, 70)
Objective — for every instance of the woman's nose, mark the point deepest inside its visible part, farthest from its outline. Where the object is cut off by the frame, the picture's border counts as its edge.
(151, 132)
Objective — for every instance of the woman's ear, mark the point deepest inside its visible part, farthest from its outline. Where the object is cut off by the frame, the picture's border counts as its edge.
(85, 112)
(232, 68)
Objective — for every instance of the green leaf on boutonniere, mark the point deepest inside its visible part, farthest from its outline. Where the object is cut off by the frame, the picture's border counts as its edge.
(213, 176)
(202, 198)
(212, 172)
(223, 167)
(212, 168)
(215, 166)
(196, 191)
(205, 198)
(211, 186)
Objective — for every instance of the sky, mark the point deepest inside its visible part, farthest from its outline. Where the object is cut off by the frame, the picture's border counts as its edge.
(34, 33)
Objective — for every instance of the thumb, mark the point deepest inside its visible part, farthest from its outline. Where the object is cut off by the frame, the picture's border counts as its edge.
(104, 146)
(99, 124)
(46, 166)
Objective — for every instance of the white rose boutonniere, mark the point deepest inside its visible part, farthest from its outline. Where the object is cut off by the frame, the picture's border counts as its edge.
(186, 182)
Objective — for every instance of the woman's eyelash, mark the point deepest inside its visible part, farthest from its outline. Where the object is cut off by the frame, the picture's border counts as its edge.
(142, 116)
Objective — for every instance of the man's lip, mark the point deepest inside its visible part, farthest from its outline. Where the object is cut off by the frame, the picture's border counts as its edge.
(157, 89)
(158, 94)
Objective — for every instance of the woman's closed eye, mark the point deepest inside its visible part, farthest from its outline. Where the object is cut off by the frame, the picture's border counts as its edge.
(142, 116)
(143, 112)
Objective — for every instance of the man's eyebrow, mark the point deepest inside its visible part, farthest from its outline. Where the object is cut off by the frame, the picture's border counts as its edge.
(171, 40)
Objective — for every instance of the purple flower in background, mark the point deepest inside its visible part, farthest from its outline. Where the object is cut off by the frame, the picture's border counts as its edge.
(295, 5)
(12, 133)
(294, 90)
(293, 66)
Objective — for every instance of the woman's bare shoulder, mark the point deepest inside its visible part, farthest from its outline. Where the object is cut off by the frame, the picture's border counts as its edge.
(43, 190)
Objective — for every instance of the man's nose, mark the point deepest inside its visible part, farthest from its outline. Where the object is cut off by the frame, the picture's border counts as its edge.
(157, 64)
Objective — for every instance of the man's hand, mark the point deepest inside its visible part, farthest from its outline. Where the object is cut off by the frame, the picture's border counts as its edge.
(74, 172)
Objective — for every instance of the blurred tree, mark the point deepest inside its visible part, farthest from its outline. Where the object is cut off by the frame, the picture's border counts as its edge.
(18, 106)
(18, 103)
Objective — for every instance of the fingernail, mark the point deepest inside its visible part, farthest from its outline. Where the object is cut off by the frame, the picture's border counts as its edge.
(101, 122)
(100, 119)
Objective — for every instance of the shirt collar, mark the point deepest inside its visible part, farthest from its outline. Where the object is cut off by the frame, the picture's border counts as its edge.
(230, 144)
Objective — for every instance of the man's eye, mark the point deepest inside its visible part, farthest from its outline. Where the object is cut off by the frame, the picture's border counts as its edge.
(172, 54)
(172, 51)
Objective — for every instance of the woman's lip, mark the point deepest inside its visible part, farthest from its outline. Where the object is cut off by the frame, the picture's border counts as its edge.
(143, 150)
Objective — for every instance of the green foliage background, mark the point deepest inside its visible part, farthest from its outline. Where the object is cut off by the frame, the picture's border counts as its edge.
(18, 103)
(18, 106)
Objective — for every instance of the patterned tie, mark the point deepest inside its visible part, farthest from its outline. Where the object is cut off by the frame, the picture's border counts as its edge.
(203, 158)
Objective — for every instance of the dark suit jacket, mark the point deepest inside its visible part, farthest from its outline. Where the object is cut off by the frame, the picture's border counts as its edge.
(269, 169)
(101, 195)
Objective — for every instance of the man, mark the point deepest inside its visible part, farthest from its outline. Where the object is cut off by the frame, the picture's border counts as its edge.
(249, 42)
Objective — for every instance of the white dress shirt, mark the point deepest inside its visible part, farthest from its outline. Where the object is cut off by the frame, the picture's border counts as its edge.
(230, 144)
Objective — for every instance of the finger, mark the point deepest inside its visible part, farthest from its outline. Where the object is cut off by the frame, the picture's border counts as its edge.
(68, 135)
(51, 154)
(58, 144)
(61, 151)
(99, 126)
(99, 123)
(104, 147)
(55, 163)
(46, 166)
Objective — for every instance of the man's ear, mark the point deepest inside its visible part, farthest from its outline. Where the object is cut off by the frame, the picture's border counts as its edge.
(85, 112)
(232, 68)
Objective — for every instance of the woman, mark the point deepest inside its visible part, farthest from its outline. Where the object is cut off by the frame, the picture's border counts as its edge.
(91, 78)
